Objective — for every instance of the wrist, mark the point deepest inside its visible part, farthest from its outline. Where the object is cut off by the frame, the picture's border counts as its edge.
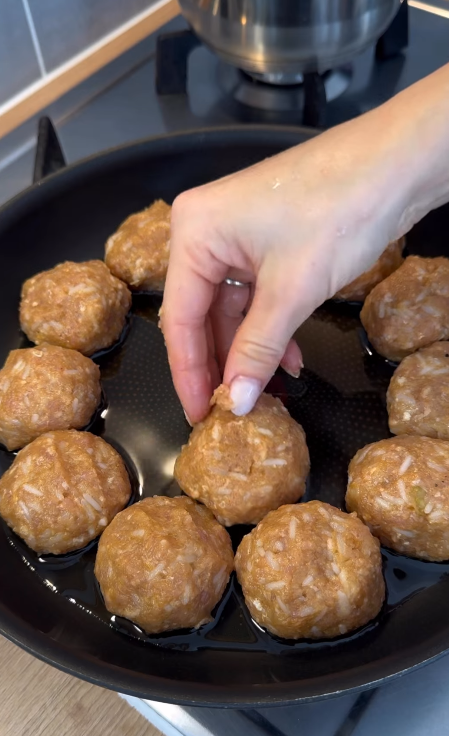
(419, 120)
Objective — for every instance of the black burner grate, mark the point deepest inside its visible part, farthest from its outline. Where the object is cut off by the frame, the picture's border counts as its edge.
(174, 49)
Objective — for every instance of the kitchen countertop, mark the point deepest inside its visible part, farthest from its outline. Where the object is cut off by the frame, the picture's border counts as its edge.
(38, 700)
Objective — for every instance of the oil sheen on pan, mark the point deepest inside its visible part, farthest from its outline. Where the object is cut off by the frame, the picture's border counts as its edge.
(53, 605)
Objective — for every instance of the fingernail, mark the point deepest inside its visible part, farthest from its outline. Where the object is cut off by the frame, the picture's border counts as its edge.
(187, 419)
(244, 393)
(291, 372)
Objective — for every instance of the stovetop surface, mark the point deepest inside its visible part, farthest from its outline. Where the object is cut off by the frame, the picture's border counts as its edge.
(131, 109)
(416, 703)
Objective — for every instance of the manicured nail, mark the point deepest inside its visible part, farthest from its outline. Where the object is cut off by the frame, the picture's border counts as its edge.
(290, 371)
(244, 393)
(187, 419)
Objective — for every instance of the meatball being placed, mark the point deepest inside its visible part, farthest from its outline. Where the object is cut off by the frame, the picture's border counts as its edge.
(400, 488)
(389, 261)
(75, 305)
(138, 252)
(164, 564)
(418, 395)
(309, 571)
(410, 308)
(243, 467)
(62, 490)
(43, 389)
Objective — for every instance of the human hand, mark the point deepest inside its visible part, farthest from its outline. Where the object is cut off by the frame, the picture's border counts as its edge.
(297, 228)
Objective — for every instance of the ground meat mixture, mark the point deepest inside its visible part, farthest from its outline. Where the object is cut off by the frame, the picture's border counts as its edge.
(43, 389)
(138, 252)
(164, 563)
(310, 571)
(75, 305)
(409, 309)
(418, 395)
(62, 490)
(400, 488)
(389, 261)
(243, 467)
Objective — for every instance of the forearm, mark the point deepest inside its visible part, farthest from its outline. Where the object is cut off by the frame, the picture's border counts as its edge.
(387, 168)
(398, 154)
(299, 226)
(418, 124)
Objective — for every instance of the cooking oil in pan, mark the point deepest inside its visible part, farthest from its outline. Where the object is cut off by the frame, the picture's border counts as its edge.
(339, 400)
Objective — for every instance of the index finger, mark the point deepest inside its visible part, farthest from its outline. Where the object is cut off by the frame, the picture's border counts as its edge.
(187, 298)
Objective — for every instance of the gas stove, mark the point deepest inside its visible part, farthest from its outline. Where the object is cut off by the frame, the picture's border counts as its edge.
(284, 98)
(181, 85)
(205, 92)
(199, 90)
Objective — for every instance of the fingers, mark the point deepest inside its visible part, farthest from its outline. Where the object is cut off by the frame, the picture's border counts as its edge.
(292, 360)
(214, 370)
(187, 299)
(193, 275)
(226, 317)
(263, 340)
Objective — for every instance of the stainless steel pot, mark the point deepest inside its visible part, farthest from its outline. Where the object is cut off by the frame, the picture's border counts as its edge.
(280, 39)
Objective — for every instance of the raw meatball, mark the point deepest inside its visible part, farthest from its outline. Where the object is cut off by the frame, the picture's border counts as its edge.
(138, 252)
(389, 261)
(46, 388)
(418, 395)
(75, 305)
(62, 490)
(409, 309)
(164, 563)
(400, 489)
(243, 467)
(309, 571)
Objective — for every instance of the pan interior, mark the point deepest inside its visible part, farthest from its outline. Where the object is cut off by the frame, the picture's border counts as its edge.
(53, 605)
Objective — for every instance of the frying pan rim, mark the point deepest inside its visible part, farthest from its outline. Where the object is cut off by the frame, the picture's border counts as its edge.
(50, 651)
(108, 153)
(262, 698)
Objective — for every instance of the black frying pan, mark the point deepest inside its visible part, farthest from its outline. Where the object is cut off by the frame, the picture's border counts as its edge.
(52, 606)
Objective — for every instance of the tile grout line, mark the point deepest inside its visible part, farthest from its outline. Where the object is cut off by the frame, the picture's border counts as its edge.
(34, 38)
(104, 41)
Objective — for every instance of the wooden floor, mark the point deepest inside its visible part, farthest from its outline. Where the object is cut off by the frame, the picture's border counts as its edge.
(38, 700)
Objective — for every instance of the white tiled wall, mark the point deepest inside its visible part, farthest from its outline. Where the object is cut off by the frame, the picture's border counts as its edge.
(38, 36)
(19, 66)
(64, 28)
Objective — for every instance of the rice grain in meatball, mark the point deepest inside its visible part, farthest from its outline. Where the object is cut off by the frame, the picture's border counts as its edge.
(309, 571)
(410, 308)
(400, 488)
(43, 389)
(389, 261)
(138, 252)
(418, 395)
(75, 305)
(164, 563)
(62, 490)
(243, 467)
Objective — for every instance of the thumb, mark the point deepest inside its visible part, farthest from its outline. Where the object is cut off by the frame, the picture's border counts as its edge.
(261, 342)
